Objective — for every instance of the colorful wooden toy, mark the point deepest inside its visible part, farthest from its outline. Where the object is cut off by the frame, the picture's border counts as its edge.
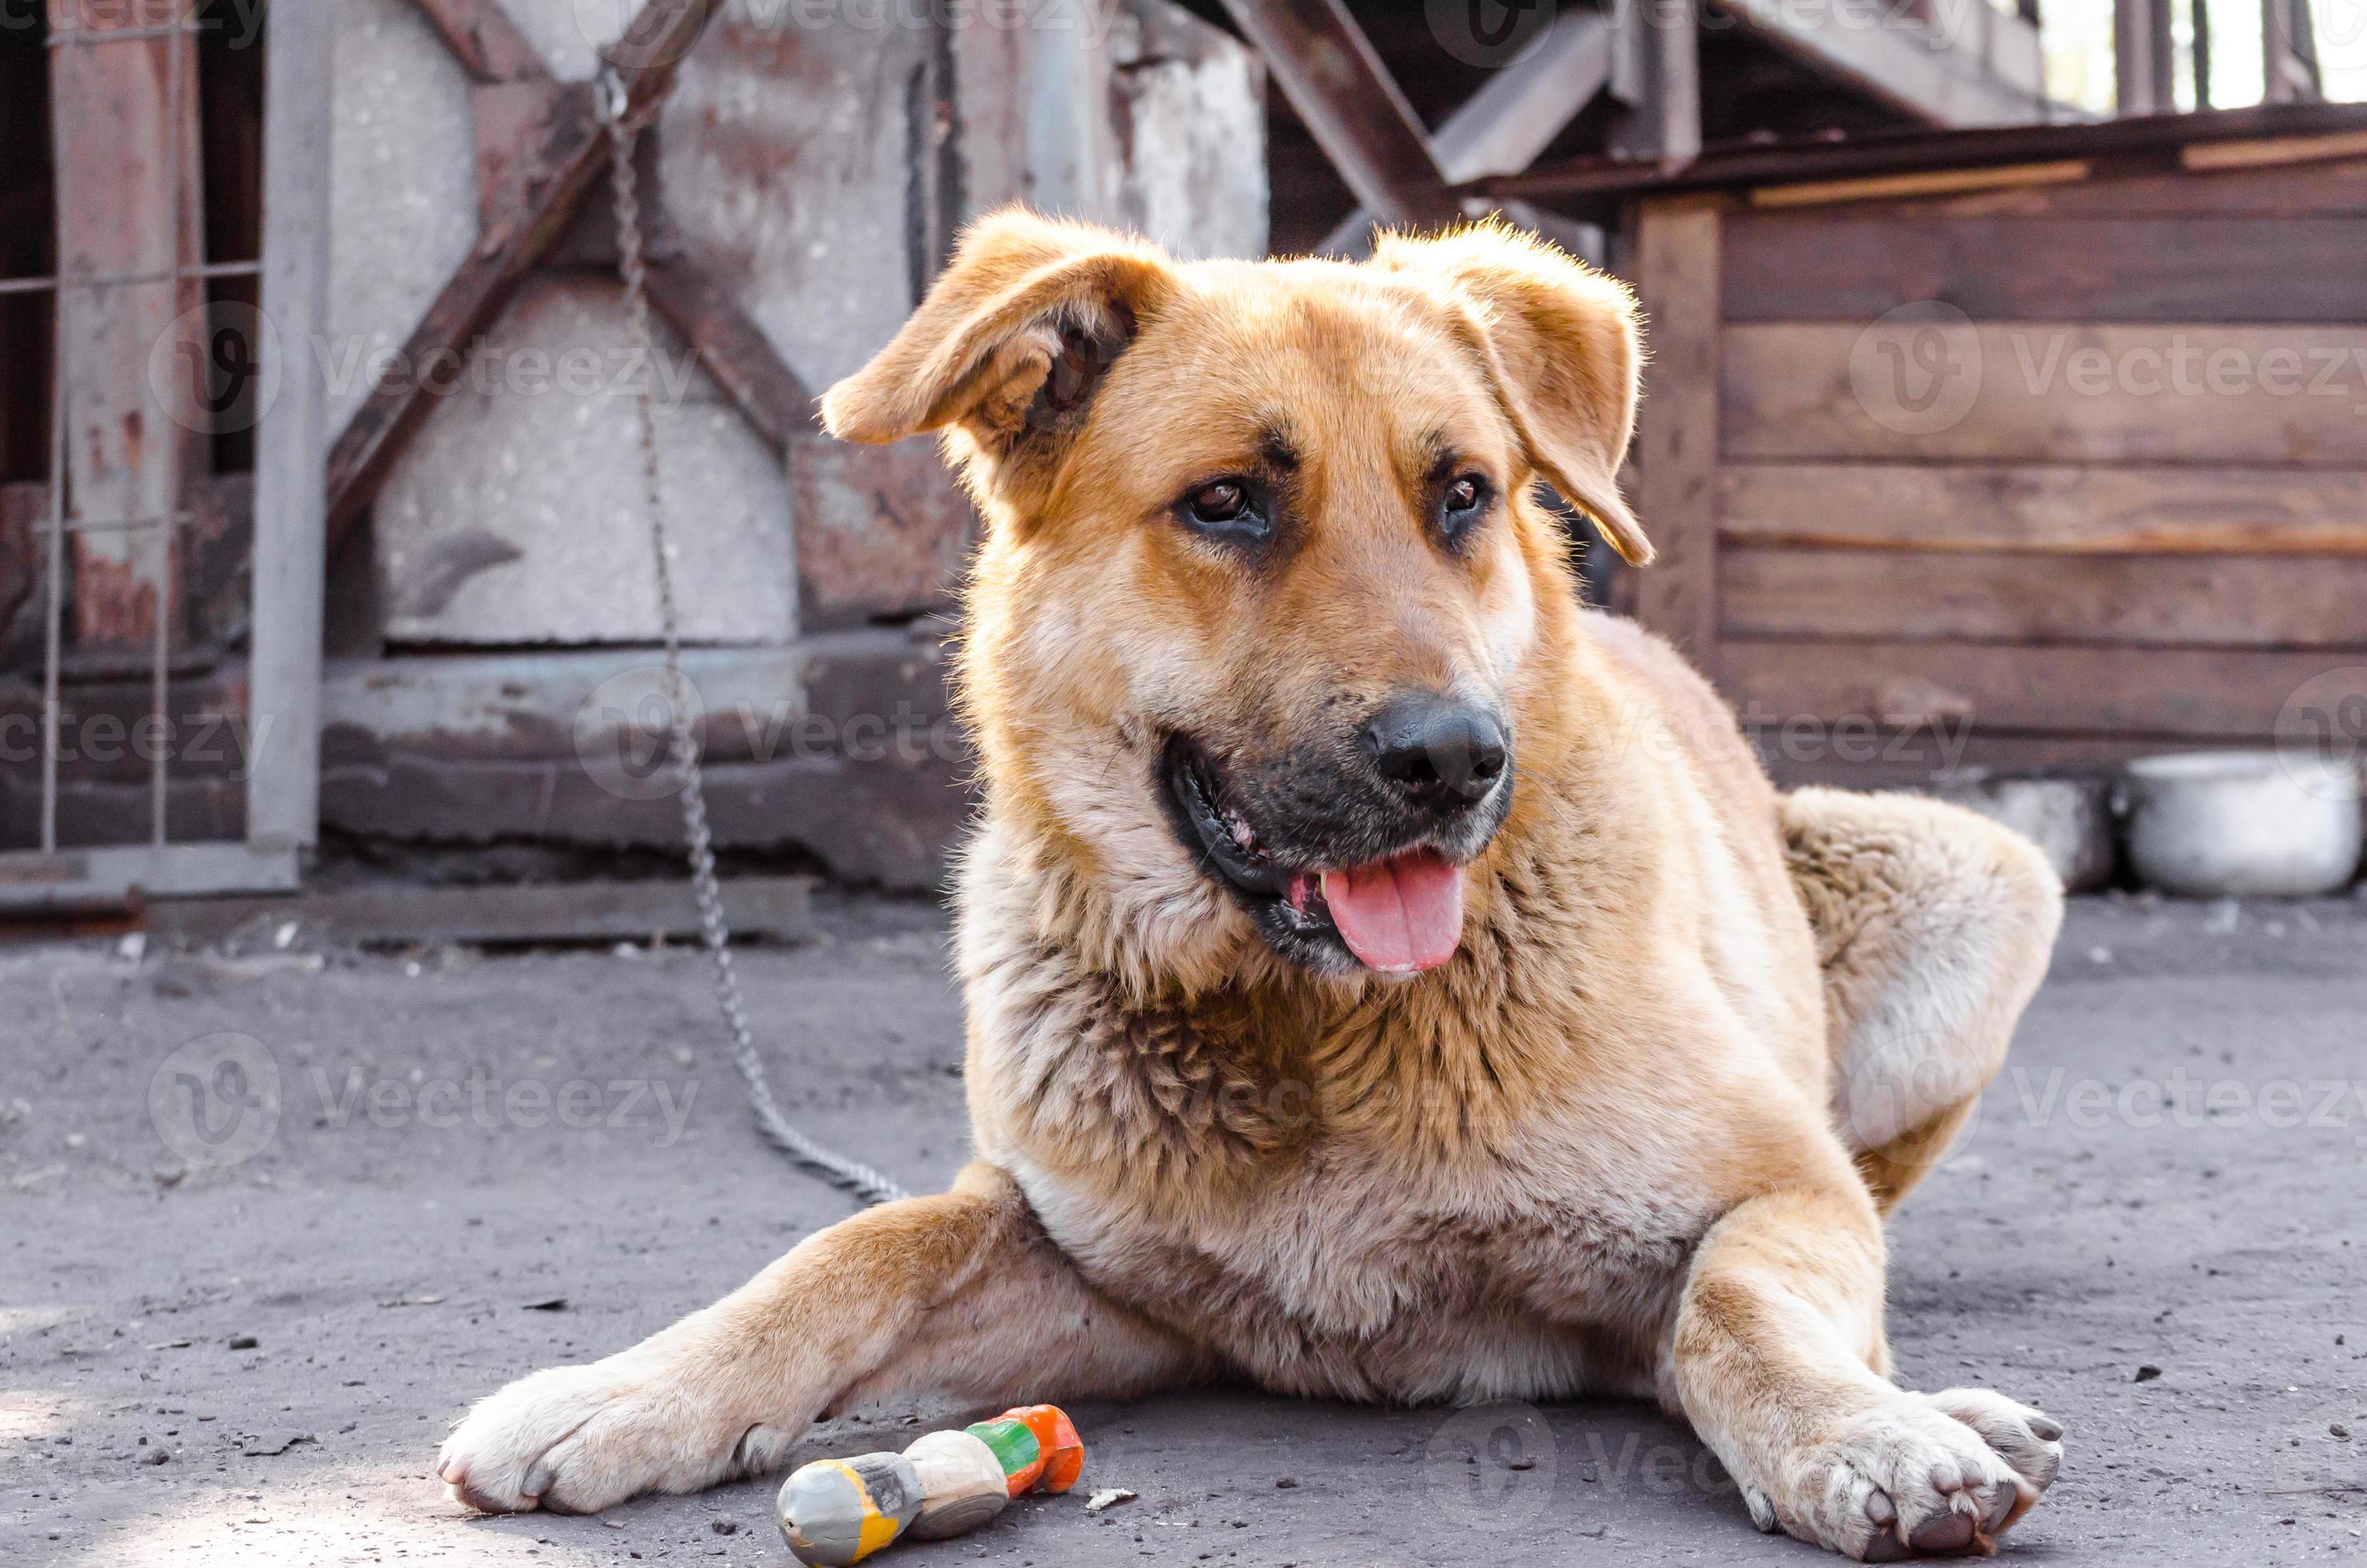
(836, 1512)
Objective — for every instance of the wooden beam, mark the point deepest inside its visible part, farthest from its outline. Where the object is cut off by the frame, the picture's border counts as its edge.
(570, 152)
(2317, 129)
(486, 42)
(2288, 53)
(1655, 75)
(291, 452)
(1984, 70)
(734, 348)
(2142, 58)
(1502, 127)
(1334, 80)
(1677, 436)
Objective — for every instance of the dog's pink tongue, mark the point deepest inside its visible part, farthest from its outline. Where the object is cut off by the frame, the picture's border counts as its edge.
(1401, 915)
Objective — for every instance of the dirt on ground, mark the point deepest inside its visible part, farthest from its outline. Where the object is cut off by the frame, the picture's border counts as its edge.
(271, 1217)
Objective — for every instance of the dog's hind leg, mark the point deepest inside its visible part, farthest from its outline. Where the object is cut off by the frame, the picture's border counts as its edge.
(958, 1294)
(1933, 926)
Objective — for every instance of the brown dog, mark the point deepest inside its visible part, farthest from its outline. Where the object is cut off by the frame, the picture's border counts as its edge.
(1388, 979)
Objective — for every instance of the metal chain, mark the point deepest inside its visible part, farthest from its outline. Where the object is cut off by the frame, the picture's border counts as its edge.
(624, 131)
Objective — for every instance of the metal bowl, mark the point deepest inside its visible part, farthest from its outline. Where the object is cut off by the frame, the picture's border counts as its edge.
(2242, 824)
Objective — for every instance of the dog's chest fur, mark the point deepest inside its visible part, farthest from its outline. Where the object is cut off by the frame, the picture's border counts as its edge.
(1324, 1207)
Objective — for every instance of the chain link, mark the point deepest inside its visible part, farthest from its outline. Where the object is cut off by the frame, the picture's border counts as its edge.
(624, 130)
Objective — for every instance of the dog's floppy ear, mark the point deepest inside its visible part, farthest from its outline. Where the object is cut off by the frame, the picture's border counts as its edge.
(1561, 340)
(1014, 335)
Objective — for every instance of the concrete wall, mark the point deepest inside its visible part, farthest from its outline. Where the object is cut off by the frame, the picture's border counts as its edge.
(818, 162)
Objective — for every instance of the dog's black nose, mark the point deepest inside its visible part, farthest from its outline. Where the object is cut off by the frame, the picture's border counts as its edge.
(1440, 752)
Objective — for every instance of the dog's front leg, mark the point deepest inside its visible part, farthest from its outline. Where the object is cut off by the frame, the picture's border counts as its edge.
(1775, 1358)
(959, 1294)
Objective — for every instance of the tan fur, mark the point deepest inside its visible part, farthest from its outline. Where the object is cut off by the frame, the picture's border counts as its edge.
(1607, 1149)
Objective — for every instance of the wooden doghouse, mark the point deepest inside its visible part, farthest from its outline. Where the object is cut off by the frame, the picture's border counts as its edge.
(2026, 449)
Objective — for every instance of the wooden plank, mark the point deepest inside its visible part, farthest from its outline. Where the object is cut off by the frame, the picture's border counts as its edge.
(2171, 692)
(1334, 80)
(1829, 267)
(2167, 601)
(1677, 438)
(2280, 149)
(289, 549)
(2321, 185)
(1935, 182)
(76, 881)
(2041, 508)
(570, 152)
(2181, 392)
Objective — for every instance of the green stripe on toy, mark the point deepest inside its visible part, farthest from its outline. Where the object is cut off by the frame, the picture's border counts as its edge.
(836, 1512)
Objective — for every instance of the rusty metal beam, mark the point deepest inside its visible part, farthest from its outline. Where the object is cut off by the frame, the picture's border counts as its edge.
(734, 348)
(567, 154)
(483, 39)
(1335, 81)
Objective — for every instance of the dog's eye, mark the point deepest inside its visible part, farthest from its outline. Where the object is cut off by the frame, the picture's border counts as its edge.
(1223, 502)
(1461, 505)
(1225, 509)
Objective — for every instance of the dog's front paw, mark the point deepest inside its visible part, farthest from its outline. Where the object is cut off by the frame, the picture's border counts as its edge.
(1936, 1474)
(577, 1440)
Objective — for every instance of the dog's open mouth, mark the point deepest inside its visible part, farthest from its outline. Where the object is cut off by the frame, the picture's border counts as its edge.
(1399, 914)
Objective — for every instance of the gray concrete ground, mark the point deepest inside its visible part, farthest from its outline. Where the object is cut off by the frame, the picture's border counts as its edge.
(483, 1164)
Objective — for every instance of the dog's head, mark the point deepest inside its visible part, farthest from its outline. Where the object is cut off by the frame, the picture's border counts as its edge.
(1263, 573)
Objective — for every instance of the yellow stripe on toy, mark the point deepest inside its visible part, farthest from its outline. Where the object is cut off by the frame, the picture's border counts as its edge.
(836, 1512)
